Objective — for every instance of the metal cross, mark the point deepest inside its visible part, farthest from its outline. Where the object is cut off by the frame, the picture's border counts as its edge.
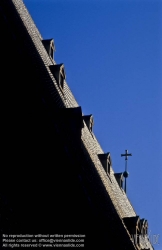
(125, 174)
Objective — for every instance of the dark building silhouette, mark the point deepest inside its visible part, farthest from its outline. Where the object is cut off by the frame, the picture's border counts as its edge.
(55, 178)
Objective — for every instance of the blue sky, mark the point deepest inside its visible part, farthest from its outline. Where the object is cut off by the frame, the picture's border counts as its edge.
(113, 60)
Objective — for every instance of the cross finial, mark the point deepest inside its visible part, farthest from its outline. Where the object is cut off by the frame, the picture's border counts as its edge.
(126, 154)
(125, 174)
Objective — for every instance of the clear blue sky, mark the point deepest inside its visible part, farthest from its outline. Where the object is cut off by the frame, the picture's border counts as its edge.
(113, 60)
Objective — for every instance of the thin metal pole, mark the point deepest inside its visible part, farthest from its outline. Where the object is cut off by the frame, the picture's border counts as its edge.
(125, 178)
(125, 174)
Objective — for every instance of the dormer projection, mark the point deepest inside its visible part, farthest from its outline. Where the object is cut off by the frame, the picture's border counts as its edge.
(106, 161)
(49, 46)
(119, 178)
(58, 72)
(89, 121)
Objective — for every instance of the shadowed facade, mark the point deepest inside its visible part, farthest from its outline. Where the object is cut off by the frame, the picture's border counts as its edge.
(56, 179)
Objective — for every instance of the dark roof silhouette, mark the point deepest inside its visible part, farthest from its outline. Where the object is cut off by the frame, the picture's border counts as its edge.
(54, 179)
